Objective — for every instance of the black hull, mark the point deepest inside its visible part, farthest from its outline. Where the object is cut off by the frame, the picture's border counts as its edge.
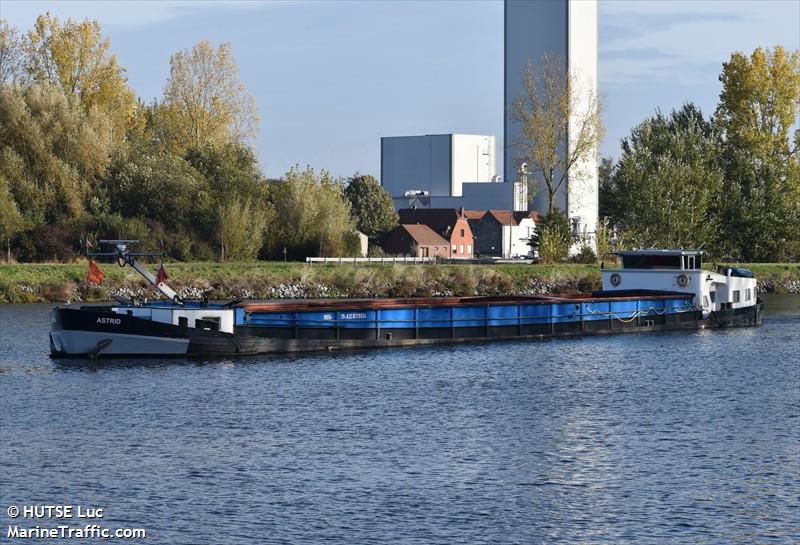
(145, 338)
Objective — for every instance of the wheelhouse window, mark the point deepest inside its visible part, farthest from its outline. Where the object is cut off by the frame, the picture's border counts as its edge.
(651, 262)
(736, 296)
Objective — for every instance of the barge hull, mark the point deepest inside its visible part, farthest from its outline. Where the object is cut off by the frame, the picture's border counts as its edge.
(189, 342)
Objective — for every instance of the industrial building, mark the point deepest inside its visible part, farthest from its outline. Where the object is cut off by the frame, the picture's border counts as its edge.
(458, 170)
(567, 28)
(446, 171)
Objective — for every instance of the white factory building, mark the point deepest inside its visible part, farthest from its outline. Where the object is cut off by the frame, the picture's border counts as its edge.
(446, 171)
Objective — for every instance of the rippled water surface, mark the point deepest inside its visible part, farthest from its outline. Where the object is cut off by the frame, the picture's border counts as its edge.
(650, 438)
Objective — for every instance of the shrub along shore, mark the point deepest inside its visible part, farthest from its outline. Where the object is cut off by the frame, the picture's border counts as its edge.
(58, 282)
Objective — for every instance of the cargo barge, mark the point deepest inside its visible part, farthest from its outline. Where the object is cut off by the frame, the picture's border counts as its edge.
(653, 290)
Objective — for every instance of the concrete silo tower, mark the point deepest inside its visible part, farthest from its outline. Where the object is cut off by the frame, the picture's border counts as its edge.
(568, 29)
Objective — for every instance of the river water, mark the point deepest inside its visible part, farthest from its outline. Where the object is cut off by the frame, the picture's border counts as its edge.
(685, 437)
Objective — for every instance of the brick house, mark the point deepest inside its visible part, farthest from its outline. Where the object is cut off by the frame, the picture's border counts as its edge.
(416, 240)
(448, 223)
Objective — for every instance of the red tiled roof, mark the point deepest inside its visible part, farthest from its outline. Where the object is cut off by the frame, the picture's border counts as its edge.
(441, 220)
(505, 217)
(474, 214)
(423, 234)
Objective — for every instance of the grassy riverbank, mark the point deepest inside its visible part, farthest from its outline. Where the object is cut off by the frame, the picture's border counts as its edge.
(53, 282)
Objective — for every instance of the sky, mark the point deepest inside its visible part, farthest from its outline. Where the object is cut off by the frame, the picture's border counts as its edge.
(331, 77)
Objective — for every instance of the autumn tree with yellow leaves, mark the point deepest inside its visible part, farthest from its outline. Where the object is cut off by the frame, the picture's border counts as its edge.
(75, 57)
(204, 101)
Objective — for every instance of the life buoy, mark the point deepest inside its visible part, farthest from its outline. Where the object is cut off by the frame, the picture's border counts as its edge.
(682, 280)
(615, 279)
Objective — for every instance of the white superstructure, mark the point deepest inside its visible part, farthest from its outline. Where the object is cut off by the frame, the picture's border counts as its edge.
(681, 271)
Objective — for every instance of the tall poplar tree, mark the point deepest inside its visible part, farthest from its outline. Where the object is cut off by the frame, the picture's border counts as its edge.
(205, 103)
(758, 107)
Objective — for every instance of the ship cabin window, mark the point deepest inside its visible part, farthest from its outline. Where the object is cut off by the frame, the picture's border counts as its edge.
(705, 301)
(688, 262)
(747, 294)
(183, 321)
(713, 296)
(210, 323)
(651, 261)
(736, 296)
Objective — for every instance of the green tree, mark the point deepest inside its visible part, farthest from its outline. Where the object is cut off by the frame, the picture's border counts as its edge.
(311, 215)
(11, 221)
(758, 106)
(204, 102)
(666, 186)
(240, 229)
(556, 104)
(608, 207)
(552, 238)
(75, 57)
(159, 186)
(231, 170)
(371, 205)
(52, 152)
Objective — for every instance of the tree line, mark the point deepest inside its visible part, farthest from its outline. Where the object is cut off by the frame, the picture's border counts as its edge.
(82, 158)
(728, 183)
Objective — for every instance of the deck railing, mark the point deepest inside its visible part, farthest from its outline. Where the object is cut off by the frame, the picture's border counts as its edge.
(369, 260)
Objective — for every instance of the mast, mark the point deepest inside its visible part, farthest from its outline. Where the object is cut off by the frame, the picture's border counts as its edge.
(126, 257)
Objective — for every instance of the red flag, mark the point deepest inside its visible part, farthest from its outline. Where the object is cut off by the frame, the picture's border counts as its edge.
(162, 275)
(94, 275)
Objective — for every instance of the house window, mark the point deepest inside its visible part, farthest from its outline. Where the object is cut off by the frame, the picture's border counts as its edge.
(461, 248)
(736, 296)
(747, 294)
(462, 233)
(469, 250)
(454, 247)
